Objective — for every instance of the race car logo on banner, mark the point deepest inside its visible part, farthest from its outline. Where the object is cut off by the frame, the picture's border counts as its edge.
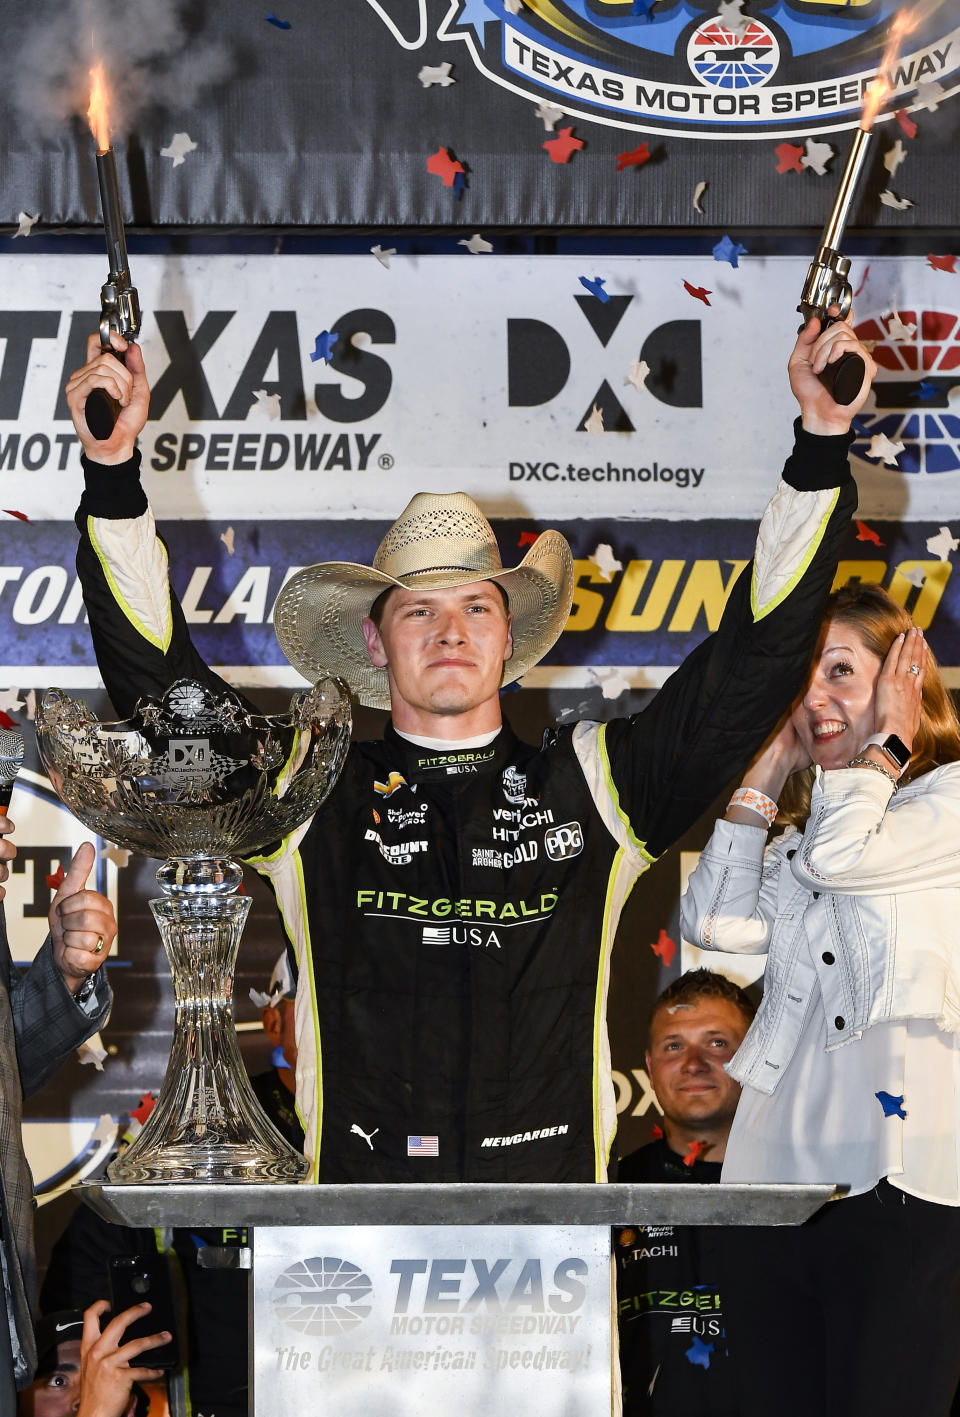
(790, 66)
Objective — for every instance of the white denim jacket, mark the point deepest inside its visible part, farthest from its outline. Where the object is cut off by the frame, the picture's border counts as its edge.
(859, 914)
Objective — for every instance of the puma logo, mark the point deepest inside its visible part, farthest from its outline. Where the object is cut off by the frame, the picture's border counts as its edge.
(366, 1136)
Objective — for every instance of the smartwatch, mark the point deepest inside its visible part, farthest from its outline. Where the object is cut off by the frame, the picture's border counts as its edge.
(894, 747)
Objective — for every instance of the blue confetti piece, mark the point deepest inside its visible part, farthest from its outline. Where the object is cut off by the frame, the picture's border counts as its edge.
(324, 346)
(280, 24)
(459, 185)
(699, 1352)
(198, 1243)
(595, 287)
(925, 391)
(729, 250)
(892, 1106)
(278, 1058)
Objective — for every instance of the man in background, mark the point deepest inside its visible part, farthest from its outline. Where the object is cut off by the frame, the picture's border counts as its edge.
(673, 1352)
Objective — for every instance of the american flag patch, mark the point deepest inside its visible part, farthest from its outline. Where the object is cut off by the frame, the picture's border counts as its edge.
(436, 935)
(423, 1146)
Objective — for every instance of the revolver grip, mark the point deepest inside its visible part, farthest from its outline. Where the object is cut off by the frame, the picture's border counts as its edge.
(101, 411)
(844, 379)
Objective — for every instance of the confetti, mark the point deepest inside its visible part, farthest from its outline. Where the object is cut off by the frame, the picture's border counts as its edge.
(56, 880)
(6, 721)
(942, 544)
(476, 245)
(664, 948)
(278, 1057)
(106, 1128)
(612, 683)
(436, 74)
(943, 263)
(916, 577)
(863, 281)
(442, 165)
(605, 561)
(10, 700)
(882, 447)
(549, 114)
(657, 1132)
(639, 370)
(698, 192)
(817, 156)
(924, 390)
(636, 158)
(699, 1352)
(731, 16)
(892, 1106)
(929, 94)
(228, 538)
(789, 158)
(32, 704)
(459, 183)
(906, 122)
(697, 291)
(178, 147)
(563, 146)
(383, 254)
(890, 199)
(25, 224)
(513, 6)
(527, 538)
(728, 250)
(143, 1109)
(897, 330)
(280, 24)
(266, 403)
(594, 423)
(866, 533)
(595, 287)
(21, 516)
(92, 1051)
(894, 156)
(323, 348)
(694, 1151)
(119, 855)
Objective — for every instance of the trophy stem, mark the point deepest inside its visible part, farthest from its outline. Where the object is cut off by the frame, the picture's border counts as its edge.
(207, 1125)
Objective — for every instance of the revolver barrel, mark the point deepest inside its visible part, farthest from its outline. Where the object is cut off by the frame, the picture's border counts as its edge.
(119, 304)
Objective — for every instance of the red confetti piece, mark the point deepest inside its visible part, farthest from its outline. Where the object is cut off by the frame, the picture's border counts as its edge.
(21, 516)
(943, 263)
(697, 291)
(867, 533)
(664, 947)
(788, 157)
(527, 538)
(563, 146)
(142, 1112)
(6, 721)
(657, 1133)
(862, 282)
(56, 880)
(906, 122)
(442, 165)
(636, 158)
(694, 1149)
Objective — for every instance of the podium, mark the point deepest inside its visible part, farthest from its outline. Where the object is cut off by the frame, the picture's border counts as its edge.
(454, 1300)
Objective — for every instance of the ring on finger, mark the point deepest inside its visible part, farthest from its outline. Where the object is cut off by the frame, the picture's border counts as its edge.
(914, 669)
(99, 945)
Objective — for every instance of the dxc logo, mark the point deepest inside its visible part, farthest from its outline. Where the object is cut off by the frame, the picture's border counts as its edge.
(189, 752)
(538, 362)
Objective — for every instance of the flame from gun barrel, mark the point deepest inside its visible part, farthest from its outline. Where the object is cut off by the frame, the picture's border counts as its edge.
(98, 112)
(904, 23)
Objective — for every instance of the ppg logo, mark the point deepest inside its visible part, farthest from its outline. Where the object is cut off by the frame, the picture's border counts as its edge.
(564, 841)
(538, 362)
(189, 753)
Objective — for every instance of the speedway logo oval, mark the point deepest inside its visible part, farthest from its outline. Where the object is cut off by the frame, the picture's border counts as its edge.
(791, 66)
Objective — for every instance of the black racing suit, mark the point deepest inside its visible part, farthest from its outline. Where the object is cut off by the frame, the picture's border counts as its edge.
(453, 913)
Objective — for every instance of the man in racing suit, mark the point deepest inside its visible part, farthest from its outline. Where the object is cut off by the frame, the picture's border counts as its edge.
(453, 904)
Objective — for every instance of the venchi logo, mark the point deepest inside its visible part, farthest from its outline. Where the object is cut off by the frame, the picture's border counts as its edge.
(789, 66)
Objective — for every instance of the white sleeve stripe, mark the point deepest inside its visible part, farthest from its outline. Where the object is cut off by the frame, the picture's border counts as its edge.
(790, 531)
(134, 564)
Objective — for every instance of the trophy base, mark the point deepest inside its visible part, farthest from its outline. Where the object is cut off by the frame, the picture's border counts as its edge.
(222, 1164)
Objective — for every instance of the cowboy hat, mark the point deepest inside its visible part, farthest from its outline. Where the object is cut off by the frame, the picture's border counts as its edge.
(440, 539)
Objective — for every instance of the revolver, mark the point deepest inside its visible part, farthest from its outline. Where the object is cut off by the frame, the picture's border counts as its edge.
(119, 302)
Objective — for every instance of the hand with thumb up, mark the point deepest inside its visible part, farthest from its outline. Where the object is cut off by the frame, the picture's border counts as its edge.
(82, 923)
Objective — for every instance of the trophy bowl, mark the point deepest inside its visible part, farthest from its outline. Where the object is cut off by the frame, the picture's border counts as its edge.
(196, 778)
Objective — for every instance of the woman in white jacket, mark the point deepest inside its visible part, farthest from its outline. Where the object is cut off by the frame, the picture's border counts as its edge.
(851, 1070)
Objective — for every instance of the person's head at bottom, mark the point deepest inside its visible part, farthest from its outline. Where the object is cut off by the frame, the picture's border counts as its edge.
(83, 1371)
(698, 1023)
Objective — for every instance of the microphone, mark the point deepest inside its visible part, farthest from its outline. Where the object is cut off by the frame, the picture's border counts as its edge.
(12, 748)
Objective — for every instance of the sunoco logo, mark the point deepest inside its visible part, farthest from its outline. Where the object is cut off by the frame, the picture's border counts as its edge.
(916, 394)
(795, 66)
(322, 1296)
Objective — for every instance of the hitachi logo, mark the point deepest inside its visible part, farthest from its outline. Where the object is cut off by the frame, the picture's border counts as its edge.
(537, 1135)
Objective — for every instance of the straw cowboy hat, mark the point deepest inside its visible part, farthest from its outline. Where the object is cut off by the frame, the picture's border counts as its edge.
(441, 539)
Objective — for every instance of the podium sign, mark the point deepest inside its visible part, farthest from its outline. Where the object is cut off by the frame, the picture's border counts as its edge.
(418, 1319)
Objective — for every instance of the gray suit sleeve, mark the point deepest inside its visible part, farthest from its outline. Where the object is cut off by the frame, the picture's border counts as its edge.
(48, 1021)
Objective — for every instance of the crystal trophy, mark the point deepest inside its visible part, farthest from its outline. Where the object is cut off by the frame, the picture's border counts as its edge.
(195, 778)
